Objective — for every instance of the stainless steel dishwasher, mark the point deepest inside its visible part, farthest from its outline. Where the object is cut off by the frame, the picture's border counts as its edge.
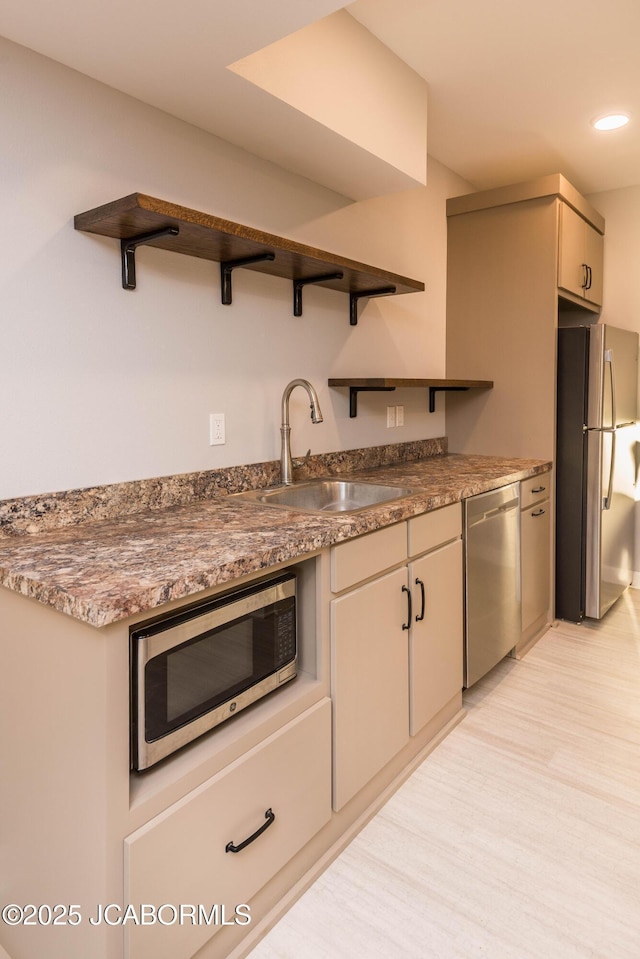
(492, 579)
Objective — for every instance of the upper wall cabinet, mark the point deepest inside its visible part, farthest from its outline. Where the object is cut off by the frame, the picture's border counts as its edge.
(138, 220)
(504, 291)
(580, 257)
(578, 240)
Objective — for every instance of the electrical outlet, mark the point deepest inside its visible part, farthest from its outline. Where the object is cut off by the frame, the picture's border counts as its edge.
(391, 416)
(399, 415)
(216, 429)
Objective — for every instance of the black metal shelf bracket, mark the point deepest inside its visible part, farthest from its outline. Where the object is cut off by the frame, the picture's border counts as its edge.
(356, 295)
(299, 284)
(227, 268)
(353, 395)
(443, 389)
(128, 253)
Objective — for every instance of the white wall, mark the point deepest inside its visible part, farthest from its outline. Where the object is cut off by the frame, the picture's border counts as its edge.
(621, 210)
(101, 385)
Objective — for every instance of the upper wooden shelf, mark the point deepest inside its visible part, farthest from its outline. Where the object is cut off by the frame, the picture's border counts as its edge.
(139, 219)
(387, 384)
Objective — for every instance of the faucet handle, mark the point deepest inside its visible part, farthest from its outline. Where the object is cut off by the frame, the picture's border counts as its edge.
(302, 460)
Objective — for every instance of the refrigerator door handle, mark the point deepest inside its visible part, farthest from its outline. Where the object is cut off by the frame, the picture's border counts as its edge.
(606, 503)
(608, 358)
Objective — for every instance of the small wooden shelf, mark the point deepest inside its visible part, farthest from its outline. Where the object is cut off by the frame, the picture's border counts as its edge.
(139, 219)
(388, 384)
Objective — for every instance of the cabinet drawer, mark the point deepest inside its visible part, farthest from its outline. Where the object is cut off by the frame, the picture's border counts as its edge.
(179, 857)
(358, 559)
(535, 489)
(435, 528)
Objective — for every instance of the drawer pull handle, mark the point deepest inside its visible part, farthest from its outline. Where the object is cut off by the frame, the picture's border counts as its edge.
(269, 816)
(538, 512)
(539, 489)
(424, 600)
(407, 625)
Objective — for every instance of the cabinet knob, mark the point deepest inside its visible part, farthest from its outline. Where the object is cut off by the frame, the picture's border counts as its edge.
(538, 512)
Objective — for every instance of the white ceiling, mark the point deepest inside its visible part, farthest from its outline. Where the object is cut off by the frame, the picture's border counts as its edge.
(512, 84)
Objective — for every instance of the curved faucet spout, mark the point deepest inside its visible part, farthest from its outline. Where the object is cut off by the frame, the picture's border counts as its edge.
(286, 465)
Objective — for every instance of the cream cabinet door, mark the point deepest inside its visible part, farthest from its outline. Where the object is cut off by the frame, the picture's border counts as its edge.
(370, 683)
(580, 257)
(594, 257)
(436, 640)
(535, 545)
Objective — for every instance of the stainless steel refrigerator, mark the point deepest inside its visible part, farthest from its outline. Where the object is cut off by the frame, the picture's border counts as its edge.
(595, 468)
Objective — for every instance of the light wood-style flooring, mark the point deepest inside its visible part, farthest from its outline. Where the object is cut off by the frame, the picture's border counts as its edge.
(518, 837)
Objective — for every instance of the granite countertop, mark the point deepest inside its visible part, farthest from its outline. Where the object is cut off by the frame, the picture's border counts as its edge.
(102, 570)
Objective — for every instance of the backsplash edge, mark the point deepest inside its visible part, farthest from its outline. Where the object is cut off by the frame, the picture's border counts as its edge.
(39, 513)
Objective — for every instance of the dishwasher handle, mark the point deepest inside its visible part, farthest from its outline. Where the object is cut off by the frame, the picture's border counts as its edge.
(493, 503)
(491, 513)
(505, 508)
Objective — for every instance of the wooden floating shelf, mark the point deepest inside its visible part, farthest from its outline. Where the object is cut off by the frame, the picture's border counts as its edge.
(139, 219)
(388, 384)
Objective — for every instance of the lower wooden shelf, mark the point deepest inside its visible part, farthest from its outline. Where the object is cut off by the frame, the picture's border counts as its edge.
(385, 384)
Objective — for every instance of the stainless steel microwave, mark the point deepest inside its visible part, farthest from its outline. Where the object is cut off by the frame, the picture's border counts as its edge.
(199, 666)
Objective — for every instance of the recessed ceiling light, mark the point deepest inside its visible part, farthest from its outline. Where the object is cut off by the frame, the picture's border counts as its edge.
(612, 121)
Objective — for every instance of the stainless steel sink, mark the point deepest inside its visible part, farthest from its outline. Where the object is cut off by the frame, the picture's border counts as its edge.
(327, 495)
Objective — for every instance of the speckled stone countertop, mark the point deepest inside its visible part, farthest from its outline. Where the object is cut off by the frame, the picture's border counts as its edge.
(105, 569)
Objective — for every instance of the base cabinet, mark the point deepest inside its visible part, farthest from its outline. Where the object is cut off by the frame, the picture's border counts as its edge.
(535, 550)
(370, 670)
(435, 644)
(182, 856)
(380, 628)
(396, 642)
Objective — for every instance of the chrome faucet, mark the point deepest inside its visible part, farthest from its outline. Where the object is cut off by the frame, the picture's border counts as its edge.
(286, 465)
